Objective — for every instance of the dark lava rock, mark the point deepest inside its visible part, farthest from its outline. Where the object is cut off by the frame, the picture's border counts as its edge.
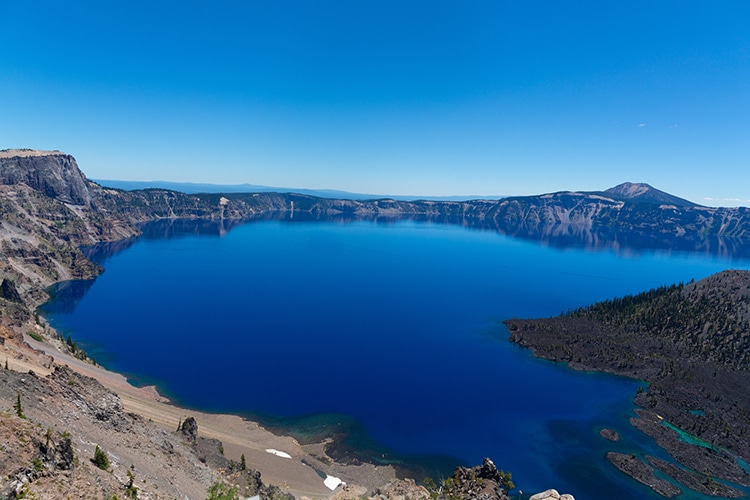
(209, 451)
(65, 455)
(701, 483)
(9, 292)
(683, 340)
(643, 473)
(189, 429)
(609, 434)
(717, 462)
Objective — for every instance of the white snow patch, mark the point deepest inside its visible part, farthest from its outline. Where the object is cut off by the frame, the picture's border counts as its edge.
(332, 482)
(278, 453)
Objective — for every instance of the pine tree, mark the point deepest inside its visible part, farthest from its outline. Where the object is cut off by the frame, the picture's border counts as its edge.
(243, 463)
(18, 407)
(71, 345)
(100, 459)
(507, 480)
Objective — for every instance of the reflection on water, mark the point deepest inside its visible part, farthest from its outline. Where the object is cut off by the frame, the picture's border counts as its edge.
(100, 252)
(65, 296)
(561, 236)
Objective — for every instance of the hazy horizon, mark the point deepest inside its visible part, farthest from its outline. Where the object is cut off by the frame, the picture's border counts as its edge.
(199, 187)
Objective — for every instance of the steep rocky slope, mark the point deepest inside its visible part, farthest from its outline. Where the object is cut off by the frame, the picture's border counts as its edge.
(49, 448)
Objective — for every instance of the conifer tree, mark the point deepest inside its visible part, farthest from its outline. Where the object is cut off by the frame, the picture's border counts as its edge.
(18, 407)
(71, 345)
(100, 459)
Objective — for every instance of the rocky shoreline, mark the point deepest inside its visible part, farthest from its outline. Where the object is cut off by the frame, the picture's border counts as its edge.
(643, 473)
(696, 405)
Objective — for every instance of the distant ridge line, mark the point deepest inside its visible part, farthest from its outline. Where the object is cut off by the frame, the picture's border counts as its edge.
(196, 188)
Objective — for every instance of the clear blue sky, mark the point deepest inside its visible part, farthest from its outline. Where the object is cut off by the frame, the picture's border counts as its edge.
(391, 97)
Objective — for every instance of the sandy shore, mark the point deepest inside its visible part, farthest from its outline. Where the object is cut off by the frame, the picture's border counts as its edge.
(239, 436)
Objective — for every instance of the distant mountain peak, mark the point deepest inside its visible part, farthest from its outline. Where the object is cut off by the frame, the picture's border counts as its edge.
(630, 189)
(640, 192)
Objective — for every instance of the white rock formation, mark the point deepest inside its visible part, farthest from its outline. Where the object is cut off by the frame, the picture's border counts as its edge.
(551, 495)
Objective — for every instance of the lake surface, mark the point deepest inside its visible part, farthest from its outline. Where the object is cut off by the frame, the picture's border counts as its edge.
(391, 332)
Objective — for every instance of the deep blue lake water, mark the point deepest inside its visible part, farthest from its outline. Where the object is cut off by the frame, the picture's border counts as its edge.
(395, 327)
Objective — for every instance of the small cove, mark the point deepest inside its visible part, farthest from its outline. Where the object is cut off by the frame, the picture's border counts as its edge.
(390, 328)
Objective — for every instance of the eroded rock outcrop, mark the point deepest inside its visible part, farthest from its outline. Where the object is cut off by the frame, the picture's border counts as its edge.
(189, 429)
(483, 482)
(50, 172)
(9, 292)
(101, 405)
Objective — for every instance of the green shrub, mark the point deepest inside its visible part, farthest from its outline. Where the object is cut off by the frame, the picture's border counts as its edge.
(100, 459)
(222, 491)
(35, 336)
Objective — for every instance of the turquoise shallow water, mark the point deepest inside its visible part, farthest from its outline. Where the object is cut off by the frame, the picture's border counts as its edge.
(391, 329)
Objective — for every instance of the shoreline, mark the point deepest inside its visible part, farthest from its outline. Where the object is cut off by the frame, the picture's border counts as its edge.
(337, 439)
(676, 398)
(298, 475)
(252, 435)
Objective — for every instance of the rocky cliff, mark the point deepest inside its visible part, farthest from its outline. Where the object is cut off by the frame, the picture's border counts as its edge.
(52, 173)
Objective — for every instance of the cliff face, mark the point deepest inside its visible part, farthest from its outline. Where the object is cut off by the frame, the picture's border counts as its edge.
(53, 174)
(46, 214)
